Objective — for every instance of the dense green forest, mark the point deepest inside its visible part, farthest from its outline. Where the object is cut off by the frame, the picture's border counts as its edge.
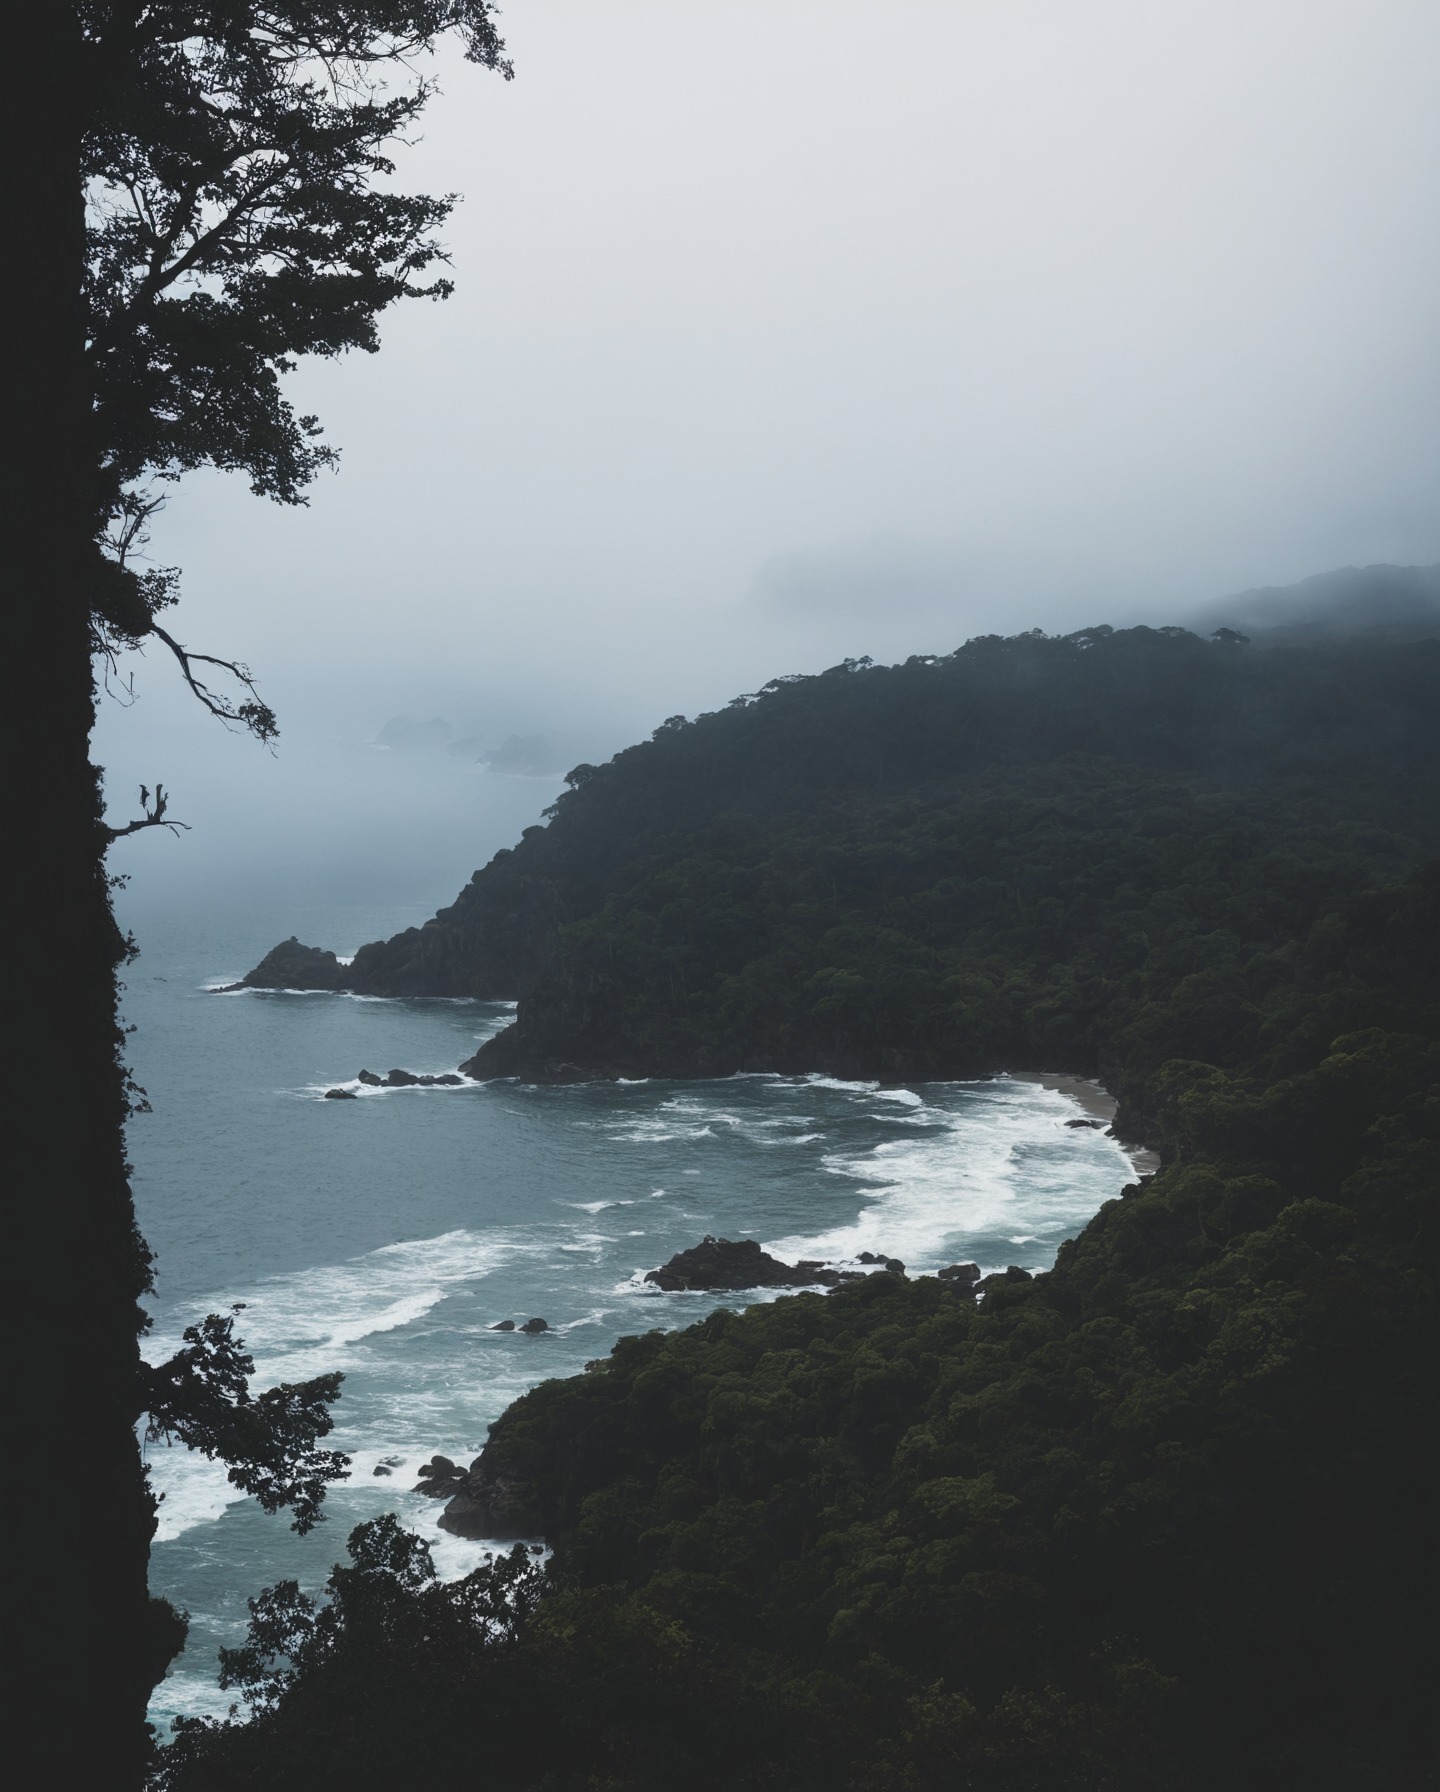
(1157, 1518)
(1095, 852)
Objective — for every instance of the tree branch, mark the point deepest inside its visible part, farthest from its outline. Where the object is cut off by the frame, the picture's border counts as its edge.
(154, 816)
(255, 714)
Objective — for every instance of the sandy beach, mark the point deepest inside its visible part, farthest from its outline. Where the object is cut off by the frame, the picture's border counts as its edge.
(1098, 1102)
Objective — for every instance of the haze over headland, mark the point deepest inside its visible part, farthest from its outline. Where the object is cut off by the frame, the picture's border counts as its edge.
(794, 331)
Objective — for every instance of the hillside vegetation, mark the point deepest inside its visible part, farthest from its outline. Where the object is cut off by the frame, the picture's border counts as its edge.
(1096, 852)
(1156, 1519)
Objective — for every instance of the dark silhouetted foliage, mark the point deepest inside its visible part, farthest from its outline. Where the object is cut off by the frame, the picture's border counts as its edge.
(200, 195)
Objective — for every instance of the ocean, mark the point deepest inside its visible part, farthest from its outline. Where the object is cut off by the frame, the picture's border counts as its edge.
(385, 1236)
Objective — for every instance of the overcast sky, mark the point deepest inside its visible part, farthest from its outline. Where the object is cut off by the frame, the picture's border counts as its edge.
(788, 330)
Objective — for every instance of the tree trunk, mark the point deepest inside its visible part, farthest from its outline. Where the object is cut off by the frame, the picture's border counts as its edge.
(84, 1649)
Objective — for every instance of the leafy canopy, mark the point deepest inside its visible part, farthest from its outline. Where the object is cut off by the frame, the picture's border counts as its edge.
(237, 161)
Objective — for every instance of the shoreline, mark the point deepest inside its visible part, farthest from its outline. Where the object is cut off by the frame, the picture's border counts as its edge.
(1096, 1101)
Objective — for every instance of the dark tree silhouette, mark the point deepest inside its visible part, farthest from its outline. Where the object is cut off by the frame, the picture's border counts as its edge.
(197, 196)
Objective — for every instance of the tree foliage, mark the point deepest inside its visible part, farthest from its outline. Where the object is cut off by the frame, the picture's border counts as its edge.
(203, 195)
(201, 1397)
(237, 161)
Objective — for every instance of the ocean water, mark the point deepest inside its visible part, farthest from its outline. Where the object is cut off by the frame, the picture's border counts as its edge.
(385, 1236)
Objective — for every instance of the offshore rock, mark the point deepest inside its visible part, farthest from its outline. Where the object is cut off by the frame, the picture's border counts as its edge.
(293, 966)
(534, 1325)
(740, 1263)
(408, 1079)
(439, 1477)
(341, 1095)
(504, 1325)
(962, 1274)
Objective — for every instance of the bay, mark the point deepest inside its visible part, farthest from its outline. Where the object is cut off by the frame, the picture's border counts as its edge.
(384, 1237)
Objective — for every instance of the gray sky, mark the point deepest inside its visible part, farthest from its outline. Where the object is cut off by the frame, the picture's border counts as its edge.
(792, 329)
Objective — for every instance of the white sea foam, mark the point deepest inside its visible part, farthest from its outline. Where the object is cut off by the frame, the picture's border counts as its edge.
(230, 987)
(308, 1323)
(596, 1316)
(182, 1694)
(972, 1175)
(192, 1489)
(929, 1175)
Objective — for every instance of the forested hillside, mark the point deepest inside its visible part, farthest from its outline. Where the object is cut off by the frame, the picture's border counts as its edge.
(1160, 1518)
(1156, 1519)
(1094, 852)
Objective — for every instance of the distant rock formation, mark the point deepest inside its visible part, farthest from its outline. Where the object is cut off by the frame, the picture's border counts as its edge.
(293, 966)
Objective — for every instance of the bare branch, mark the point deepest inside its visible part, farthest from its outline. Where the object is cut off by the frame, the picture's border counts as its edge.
(254, 714)
(154, 816)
